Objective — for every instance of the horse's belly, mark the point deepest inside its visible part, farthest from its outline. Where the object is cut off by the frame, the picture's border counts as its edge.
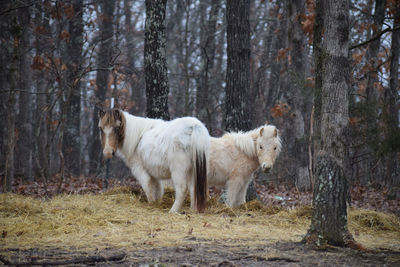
(159, 172)
(217, 176)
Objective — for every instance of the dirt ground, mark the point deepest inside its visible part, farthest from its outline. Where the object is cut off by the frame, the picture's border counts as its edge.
(205, 253)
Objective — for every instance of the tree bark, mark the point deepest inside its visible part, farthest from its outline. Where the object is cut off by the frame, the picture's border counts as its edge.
(155, 60)
(319, 71)
(329, 217)
(72, 139)
(238, 94)
(104, 66)
(238, 114)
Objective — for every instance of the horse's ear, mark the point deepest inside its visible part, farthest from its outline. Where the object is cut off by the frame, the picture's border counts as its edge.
(275, 132)
(118, 116)
(261, 131)
(101, 113)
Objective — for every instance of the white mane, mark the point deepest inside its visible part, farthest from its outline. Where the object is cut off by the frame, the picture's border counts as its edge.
(135, 128)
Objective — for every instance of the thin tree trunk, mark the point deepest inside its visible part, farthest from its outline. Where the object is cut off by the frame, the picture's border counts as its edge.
(155, 60)
(372, 98)
(24, 124)
(12, 138)
(104, 58)
(390, 114)
(72, 139)
(138, 91)
(319, 71)
(207, 53)
(296, 95)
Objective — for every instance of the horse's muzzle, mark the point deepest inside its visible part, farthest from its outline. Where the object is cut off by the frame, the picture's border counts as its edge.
(108, 154)
(266, 168)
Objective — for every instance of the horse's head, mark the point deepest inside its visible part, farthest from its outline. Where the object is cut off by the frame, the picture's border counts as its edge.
(112, 131)
(268, 146)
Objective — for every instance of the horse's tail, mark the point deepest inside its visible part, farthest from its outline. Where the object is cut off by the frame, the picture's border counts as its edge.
(200, 148)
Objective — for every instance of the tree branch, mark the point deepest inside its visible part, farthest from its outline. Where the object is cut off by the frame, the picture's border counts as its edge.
(375, 37)
(77, 260)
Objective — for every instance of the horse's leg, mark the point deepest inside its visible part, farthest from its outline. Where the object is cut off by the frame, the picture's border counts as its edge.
(236, 187)
(191, 190)
(179, 180)
(159, 190)
(148, 183)
(241, 195)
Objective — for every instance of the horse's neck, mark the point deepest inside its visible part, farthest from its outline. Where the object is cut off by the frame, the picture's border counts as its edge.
(134, 129)
(245, 143)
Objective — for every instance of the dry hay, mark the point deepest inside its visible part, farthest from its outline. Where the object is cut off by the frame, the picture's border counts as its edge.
(121, 218)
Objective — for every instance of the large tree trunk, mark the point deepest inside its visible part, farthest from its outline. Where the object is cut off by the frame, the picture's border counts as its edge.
(238, 94)
(24, 122)
(155, 60)
(238, 116)
(329, 217)
(104, 58)
(72, 139)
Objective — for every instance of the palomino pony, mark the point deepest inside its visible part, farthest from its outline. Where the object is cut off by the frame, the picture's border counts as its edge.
(156, 150)
(235, 156)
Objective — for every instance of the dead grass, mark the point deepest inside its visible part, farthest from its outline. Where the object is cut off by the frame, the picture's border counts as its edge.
(121, 218)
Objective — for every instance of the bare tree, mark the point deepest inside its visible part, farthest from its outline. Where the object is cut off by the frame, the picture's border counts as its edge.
(11, 110)
(155, 67)
(391, 111)
(74, 45)
(329, 217)
(204, 103)
(104, 67)
(24, 123)
(296, 95)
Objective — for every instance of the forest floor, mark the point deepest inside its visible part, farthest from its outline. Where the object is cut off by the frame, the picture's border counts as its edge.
(118, 227)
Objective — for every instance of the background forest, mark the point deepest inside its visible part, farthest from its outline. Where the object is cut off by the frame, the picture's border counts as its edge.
(64, 60)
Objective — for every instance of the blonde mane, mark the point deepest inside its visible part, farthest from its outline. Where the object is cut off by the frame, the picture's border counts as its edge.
(245, 141)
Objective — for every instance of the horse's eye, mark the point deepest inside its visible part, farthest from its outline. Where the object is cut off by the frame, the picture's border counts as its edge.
(274, 148)
(261, 147)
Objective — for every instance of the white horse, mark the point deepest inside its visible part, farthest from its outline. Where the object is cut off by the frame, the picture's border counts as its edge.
(235, 156)
(156, 150)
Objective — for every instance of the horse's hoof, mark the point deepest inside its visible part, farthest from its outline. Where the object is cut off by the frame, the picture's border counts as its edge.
(174, 211)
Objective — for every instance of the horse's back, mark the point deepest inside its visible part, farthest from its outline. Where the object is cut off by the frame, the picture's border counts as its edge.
(170, 140)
